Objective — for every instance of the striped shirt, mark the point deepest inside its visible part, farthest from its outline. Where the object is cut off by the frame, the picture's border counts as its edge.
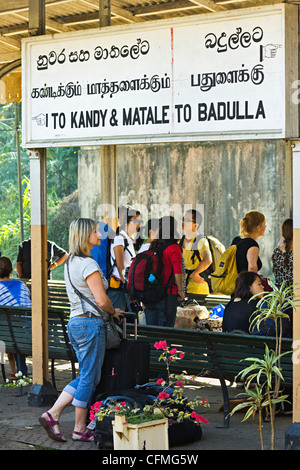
(14, 293)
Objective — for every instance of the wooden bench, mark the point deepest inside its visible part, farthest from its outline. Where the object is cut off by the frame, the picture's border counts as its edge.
(211, 354)
(15, 332)
(57, 294)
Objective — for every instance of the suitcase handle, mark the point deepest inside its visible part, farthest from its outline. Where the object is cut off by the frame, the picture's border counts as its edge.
(130, 315)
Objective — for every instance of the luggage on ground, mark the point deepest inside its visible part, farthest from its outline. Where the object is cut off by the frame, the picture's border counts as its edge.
(126, 366)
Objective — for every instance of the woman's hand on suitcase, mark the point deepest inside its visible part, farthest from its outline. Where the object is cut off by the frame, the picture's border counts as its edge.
(117, 313)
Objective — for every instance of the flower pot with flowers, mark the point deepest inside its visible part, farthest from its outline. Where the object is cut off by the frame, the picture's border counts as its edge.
(146, 427)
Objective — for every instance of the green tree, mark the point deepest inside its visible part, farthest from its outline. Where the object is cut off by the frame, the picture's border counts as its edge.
(62, 180)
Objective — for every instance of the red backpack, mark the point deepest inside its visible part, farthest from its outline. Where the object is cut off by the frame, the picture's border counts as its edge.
(144, 277)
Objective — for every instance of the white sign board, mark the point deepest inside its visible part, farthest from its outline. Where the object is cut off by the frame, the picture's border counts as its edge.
(208, 77)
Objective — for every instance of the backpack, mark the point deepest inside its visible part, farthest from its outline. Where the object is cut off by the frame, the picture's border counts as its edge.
(101, 253)
(223, 278)
(144, 277)
(216, 249)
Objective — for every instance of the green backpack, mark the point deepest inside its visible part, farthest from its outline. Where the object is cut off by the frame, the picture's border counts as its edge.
(223, 278)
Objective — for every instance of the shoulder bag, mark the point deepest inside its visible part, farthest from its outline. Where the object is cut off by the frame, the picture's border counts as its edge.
(113, 338)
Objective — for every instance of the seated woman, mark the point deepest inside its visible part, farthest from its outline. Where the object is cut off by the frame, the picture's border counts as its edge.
(13, 293)
(239, 310)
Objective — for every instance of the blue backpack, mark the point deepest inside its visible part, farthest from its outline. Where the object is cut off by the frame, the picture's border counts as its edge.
(101, 253)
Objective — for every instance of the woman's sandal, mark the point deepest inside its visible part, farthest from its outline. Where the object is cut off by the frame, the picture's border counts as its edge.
(87, 436)
(48, 425)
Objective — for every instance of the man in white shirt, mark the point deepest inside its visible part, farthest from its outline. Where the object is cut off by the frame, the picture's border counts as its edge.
(122, 252)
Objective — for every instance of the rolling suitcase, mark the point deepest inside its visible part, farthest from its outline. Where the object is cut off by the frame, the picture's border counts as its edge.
(126, 366)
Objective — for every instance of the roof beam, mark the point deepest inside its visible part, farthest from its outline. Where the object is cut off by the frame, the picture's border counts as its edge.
(15, 6)
(11, 42)
(56, 26)
(255, 2)
(10, 57)
(210, 5)
(160, 8)
(116, 10)
(77, 18)
(125, 14)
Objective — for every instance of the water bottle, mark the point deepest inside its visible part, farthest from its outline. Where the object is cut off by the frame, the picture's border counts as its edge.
(151, 278)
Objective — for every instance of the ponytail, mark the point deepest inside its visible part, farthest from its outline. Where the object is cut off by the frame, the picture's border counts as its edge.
(250, 221)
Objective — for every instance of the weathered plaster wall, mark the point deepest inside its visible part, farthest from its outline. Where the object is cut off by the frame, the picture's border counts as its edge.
(89, 181)
(229, 178)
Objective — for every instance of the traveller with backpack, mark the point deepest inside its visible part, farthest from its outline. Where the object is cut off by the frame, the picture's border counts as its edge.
(196, 253)
(253, 226)
(242, 255)
(121, 254)
(155, 276)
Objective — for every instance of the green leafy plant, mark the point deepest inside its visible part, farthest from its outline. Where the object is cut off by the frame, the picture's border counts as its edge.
(174, 406)
(262, 372)
(272, 309)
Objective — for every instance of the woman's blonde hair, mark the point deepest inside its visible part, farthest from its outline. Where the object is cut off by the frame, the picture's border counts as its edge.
(250, 221)
(79, 233)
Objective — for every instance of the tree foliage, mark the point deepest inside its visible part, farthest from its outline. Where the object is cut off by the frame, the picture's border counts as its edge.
(62, 181)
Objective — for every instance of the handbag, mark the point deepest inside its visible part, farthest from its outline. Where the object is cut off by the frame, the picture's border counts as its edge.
(113, 338)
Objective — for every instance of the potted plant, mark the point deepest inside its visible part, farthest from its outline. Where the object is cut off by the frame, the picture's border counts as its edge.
(272, 311)
(147, 427)
(20, 382)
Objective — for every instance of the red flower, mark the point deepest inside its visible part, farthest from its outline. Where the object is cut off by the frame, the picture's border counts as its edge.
(94, 409)
(199, 418)
(163, 395)
(159, 381)
(161, 344)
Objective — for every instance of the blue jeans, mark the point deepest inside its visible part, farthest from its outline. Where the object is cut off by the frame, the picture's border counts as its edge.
(117, 298)
(88, 338)
(163, 313)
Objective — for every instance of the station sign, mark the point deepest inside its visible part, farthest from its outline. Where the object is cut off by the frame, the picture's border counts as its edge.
(202, 78)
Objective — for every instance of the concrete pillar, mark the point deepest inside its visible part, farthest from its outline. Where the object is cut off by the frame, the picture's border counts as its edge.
(292, 435)
(109, 188)
(42, 393)
(109, 194)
